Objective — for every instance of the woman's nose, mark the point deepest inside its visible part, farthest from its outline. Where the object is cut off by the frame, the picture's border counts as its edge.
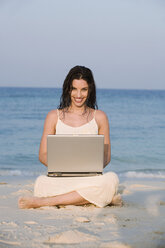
(78, 93)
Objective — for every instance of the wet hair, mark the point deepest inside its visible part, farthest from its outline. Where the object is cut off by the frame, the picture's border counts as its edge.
(78, 72)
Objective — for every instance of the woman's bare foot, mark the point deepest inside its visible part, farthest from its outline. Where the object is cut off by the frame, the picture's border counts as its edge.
(117, 200)
(31, 202)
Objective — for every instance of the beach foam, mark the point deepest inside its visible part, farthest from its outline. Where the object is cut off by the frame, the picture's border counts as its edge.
(144, 174)
(150, 174)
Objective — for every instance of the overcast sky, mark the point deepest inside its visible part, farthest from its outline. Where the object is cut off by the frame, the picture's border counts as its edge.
(121, 41)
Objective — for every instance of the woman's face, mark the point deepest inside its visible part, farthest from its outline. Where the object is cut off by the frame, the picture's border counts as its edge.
(79, 92)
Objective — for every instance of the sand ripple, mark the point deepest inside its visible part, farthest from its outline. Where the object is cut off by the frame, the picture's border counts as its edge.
(71, 237)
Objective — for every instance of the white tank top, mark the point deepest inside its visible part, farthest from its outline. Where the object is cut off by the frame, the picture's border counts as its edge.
(90, 127)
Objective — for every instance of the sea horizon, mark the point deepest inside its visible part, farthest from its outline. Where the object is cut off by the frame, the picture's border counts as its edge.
(99, 88)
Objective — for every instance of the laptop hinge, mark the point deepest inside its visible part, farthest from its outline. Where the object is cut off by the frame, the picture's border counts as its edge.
(73, 174)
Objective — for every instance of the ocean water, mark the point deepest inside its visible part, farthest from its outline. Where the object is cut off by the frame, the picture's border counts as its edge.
(137, 130)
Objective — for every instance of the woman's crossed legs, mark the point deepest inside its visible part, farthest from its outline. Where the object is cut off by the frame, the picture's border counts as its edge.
(71, 198)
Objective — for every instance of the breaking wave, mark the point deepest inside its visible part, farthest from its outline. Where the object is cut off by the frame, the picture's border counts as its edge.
(150, 174)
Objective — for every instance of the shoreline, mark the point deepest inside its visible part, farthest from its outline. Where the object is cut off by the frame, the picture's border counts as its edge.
(138, 223)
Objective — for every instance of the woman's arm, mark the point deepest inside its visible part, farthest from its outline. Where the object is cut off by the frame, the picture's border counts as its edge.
(49, 128)
(103, 125)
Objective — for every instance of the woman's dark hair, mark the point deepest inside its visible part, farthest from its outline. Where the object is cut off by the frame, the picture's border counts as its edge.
(78, 72)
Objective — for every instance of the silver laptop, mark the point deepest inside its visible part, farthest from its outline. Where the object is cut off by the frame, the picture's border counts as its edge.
(75, 155)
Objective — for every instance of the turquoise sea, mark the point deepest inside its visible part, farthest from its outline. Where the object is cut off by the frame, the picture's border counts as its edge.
(137, 130)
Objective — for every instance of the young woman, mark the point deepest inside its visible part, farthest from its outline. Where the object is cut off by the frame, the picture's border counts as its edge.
(76, 114)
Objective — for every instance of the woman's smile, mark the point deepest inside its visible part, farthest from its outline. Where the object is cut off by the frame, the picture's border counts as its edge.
(78, 100)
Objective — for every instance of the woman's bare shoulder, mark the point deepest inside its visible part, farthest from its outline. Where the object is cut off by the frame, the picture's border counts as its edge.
(100, 115)
(101, 118)
(52, 115)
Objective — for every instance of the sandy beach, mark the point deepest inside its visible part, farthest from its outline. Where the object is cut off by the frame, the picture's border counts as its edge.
(139, 223)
